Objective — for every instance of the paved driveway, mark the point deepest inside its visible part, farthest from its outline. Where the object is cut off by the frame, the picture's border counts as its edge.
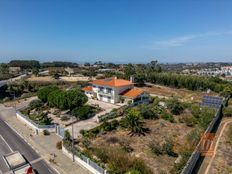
(92, 122)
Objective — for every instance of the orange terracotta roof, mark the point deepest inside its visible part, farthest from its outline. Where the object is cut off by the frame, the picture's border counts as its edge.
(132, 93)
(113, 82)
(87, 88)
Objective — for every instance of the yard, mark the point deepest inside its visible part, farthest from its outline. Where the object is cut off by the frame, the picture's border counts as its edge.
(92, 122)
(55, 105)
(154, 138)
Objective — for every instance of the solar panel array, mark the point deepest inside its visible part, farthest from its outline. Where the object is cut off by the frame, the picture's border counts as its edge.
(211, 101)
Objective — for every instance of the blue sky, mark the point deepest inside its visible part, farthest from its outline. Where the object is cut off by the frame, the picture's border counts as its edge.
(116, 30)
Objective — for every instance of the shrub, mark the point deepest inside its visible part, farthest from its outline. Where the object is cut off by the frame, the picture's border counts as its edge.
(83, 112)
(119, 162)
(112, 140)
(65, 118)
(35, 104)
(139, 166)
(175, 106)
(41, 118)
(59, 145)
(167, 148)
(147, 112)
(189, 120)
(155, 148)
(206, 117)
(86, 143)
(167, 116)
(46, 132)
(178, 167)
(101, 153)
(227, 112)
(126, 147)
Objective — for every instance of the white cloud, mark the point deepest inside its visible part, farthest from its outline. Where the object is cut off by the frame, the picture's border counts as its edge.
(179, 41)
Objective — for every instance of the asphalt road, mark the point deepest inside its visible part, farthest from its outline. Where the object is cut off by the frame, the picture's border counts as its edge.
(11, 141)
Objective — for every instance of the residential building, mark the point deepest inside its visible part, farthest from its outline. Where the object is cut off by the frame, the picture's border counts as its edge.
(113, 90)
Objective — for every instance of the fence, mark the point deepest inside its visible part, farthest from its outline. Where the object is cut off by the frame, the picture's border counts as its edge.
(37, 127)
(84, 161)
(192, 162)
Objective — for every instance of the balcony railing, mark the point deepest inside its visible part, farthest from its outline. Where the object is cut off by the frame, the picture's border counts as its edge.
(105, 92)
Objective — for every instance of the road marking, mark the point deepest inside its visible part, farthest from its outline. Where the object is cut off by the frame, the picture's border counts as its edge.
(36, 160)
(12, 128)
(6, 143)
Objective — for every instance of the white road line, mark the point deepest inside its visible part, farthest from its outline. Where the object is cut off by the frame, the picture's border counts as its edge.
(36, 160)
(6, 143)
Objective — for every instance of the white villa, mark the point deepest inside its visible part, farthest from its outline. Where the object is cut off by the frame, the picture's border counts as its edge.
(113, 90)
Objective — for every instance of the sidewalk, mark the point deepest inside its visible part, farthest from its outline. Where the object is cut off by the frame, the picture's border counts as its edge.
(206, 166)
(43, 145)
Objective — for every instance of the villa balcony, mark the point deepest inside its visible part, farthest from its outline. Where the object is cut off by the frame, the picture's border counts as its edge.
(105, 93)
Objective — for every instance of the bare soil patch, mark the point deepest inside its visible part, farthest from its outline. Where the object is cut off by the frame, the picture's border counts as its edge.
(184, 94)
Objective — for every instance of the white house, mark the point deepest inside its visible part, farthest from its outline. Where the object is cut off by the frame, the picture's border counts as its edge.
(113, 90)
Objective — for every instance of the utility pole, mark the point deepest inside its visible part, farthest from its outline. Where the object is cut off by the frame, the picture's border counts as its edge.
(73, 141)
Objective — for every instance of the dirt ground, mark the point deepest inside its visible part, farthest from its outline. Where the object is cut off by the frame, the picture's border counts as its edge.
(161, 130)
(42, 78)
(63, 78)
(184, 94)
(20, 103)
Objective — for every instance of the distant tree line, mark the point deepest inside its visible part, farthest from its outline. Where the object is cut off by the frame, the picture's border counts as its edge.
(4, 71)
(25, 64)
(59, 64)
(190, 82)
(152, 72)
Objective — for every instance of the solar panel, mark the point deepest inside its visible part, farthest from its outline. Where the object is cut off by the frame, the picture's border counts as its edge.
(211, 101)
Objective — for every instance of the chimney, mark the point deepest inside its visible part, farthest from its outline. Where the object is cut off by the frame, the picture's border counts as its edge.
(132, 79)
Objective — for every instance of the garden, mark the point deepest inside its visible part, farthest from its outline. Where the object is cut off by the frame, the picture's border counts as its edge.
(55, 105)
(154, 138)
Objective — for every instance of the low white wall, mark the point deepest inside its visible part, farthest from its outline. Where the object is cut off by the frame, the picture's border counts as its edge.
(80, 161)
(36, 129)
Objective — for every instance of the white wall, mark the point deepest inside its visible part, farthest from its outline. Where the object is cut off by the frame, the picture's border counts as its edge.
(119, 90)
(80, 161)
(115, 92)
(89, 94)
(33, 127)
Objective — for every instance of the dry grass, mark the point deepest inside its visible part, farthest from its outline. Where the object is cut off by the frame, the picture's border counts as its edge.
(184, 94)
(62, 78)
(161, 131)
(41, 79)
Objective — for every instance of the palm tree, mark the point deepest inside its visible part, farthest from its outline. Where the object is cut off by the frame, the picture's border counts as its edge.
(134, 122)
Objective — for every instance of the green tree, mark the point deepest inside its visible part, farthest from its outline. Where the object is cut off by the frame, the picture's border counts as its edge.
(45, 91)
(67, 99)
(134, 122)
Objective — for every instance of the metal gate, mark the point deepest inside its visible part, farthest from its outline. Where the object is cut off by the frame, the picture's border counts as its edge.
(60, 131)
